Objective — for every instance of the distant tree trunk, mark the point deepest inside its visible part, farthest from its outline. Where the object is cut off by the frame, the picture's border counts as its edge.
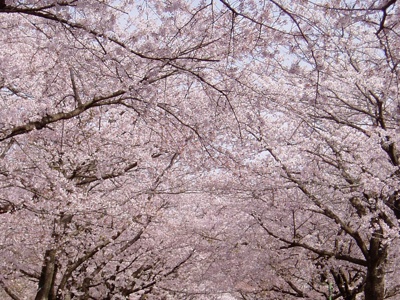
(375, 281)
(47, 277)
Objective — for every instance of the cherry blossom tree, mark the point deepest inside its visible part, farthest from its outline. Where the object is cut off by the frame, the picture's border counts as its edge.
(326, 172)
(199, 149)
(99, 108)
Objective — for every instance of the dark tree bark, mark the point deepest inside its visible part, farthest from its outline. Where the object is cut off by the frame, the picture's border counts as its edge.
(47, 277)
(375, 281)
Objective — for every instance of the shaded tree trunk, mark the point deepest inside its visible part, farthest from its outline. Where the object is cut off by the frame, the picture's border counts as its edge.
(375, 280)
(47, 277)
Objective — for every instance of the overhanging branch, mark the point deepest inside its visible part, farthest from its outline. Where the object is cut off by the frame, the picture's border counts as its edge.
(49, 119)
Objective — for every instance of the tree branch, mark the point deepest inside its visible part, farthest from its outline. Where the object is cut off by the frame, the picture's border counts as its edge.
(8, 291)
(49, 119)
(325, 210)
(320, 252)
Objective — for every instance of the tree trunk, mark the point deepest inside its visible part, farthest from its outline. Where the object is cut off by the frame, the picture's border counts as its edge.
(375, 281)
(375, 284)
(47, 277)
